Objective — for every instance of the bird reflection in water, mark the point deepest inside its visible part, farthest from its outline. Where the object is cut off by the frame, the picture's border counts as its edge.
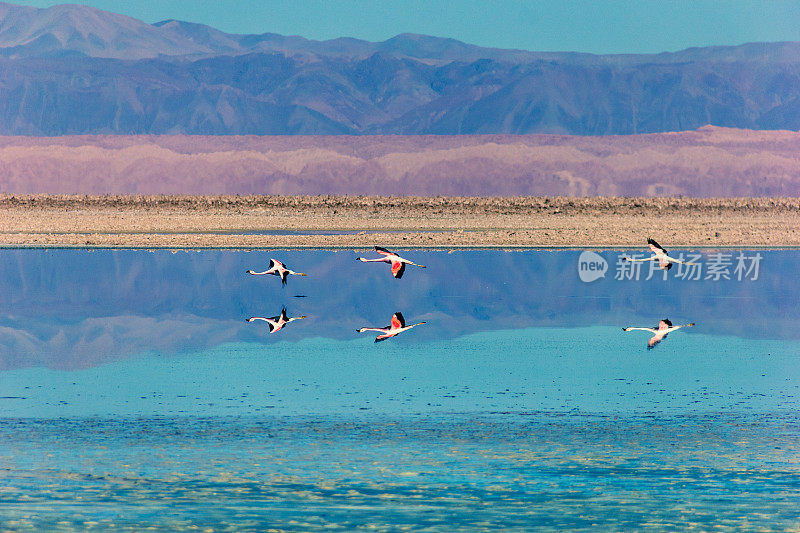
(659, 332)
(397, 326)
(276, 323)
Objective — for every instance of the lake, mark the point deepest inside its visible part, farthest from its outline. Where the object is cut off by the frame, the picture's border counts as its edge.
(134, 393)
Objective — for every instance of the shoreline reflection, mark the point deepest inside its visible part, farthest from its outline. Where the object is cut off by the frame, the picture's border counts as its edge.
(73, 308)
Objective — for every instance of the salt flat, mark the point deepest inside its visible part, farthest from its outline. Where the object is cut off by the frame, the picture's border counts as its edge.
(353, 221)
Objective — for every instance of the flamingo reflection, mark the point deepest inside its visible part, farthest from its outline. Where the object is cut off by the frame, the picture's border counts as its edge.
(660, 332)
(276, 323)
(397, 326)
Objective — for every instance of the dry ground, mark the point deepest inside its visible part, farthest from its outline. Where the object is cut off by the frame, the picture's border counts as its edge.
(359, 221)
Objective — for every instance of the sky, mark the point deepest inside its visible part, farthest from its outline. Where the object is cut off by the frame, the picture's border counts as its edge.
(595, 26)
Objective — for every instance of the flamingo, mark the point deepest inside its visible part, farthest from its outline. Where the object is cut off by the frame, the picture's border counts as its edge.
(664, 261)
(276, 268)
(397, 326)
(660, 332)
(397, 262)
(276, 323)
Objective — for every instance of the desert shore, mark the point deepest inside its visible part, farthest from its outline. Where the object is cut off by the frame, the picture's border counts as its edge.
(403, 222)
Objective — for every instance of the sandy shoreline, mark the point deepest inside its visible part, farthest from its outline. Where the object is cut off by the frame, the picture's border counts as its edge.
(360, 221)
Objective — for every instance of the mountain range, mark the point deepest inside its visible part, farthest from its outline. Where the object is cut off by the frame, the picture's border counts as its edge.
(74, 69)
(711, 161)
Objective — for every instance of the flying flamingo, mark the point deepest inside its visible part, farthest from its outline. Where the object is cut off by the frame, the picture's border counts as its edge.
(276, 268)
(276, 323)
(397, 262)
(397, 326)
(660, 332)
(664, 261)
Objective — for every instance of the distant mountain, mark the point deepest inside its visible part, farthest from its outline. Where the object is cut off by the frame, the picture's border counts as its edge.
(709, 162)
(74, 29)
(77, 70)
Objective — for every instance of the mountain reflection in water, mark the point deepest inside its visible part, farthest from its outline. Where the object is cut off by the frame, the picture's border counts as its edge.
(134, 394)
(71, 309)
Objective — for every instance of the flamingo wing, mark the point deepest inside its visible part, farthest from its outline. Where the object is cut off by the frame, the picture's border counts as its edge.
(397, 269)
(398, 321)
(654, 246)
(385, 336)
(666, 323)
(654, 340)
(383, 251)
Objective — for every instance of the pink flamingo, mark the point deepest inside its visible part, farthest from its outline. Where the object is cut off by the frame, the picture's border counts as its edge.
(276, 268)
(664, 261)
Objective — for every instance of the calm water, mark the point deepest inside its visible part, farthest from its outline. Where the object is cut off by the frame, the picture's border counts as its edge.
(134, 394)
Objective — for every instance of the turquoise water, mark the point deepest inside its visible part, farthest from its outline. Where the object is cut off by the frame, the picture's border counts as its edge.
(134, 394)
(593, 369)
(483, 472)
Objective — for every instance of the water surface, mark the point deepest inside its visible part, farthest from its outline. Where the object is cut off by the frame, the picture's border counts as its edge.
(133, 393)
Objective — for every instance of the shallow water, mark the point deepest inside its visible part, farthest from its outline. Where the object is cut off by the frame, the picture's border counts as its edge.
(134, 394)
(454, 472)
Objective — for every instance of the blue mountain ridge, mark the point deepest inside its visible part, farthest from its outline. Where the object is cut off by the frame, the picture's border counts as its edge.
(78, 70)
